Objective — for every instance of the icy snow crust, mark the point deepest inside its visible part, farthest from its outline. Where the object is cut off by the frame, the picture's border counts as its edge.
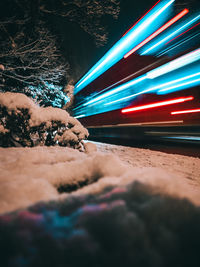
(31, 175)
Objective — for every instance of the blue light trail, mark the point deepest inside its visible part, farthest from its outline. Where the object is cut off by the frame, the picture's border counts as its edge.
(186, 78)
(138, 33)
(177, 45)
(159, 31)
(162, 41)
(166, 68)
(153, 89)
(116, 90)
(175, 64)
(180, 86)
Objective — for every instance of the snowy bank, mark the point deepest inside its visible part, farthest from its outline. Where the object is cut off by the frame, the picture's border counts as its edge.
(76, 209)
(30, 175)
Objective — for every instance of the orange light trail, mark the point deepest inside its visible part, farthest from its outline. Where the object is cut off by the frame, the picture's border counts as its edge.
(185, 111)
(140, 19)
(164, 27)
(158, 104)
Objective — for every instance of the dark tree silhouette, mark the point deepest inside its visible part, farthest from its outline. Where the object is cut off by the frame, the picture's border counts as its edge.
(31, 64)
(89, 14)
(31, 61)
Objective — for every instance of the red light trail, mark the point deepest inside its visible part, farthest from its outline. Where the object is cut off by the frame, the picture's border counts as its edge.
(158, 104)
(164, 27)
(185, 111)
(183, 33)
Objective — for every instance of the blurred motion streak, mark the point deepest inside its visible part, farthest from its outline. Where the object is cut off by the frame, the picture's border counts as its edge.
(168, 67)
(148, 76)
(177, 44)
(117, 89)
(163, 40)
(185, 111)
(179, 86)
(183, 33)
(158, 87)
(175, 64)
(141, 18)
(158, 104)
(138, 33)
(164, 27)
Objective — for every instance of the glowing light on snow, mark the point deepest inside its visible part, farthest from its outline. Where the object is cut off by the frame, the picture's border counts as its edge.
(79, 116)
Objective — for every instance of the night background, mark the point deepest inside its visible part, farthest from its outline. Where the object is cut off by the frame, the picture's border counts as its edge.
(79, 33)
(66, 200)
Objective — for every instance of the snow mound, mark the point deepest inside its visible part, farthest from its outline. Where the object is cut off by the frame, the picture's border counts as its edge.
(31, 175)
(90, 147)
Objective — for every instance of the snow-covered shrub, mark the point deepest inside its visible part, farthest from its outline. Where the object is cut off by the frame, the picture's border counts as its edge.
(23, 123)
(46, 95)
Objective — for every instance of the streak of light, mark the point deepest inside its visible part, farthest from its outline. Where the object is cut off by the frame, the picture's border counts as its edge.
(155, 88)
(128, 97)
(182, 85)
(185, 111)
(119, 82)
(183, 33)
(117, 89)
(159, 71)
(176, 45)
(158, 104)
(124, 45)
(175, 64)
(136, 124)
(141, 18)
(166, 68)
(163, 40)
(164, 27)
(80, 116)
(188, 138)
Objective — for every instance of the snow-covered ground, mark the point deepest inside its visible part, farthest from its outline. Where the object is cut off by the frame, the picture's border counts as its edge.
(187, 168)
(30, 175)
(116, 206)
